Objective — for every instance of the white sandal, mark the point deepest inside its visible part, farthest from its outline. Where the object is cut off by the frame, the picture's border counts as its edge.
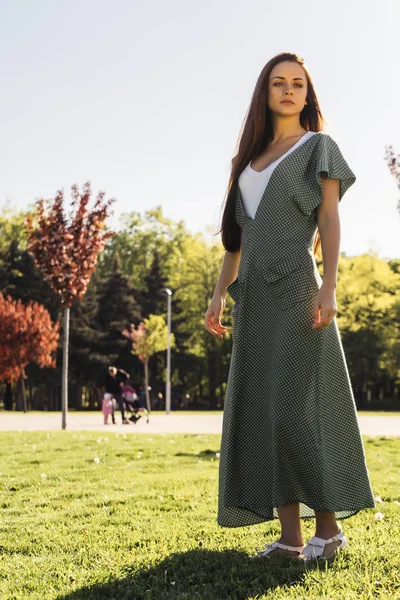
(315, 546)
(270, 547)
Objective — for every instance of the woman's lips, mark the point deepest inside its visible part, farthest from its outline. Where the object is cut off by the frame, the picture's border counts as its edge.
(287, 102)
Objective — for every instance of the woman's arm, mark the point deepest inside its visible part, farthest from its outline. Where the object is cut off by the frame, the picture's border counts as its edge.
(329, 230)
(229, 272)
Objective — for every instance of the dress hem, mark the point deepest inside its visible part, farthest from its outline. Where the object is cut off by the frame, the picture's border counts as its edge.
(263, 518)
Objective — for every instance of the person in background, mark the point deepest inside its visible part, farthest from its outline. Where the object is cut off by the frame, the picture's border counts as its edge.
(114, 382)
(129, 395)
(107, 406)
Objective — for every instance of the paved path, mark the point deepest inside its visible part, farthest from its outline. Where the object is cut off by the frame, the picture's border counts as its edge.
(159, 423)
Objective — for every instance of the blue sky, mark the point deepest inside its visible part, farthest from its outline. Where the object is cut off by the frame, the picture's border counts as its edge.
(146, 100)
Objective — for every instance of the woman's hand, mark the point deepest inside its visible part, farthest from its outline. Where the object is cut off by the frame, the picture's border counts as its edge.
(212, 316)
(326, 302)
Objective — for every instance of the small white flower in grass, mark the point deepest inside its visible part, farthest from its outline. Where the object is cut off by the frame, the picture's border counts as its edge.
(44, 475)
(397, 502)
(379, 516)
(378, 499)
(217, 454)
(173, 582)
(161, 497)
(96, 460)
(34, 447)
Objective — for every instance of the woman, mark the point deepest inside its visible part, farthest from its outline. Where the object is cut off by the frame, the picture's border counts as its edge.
(297, 453)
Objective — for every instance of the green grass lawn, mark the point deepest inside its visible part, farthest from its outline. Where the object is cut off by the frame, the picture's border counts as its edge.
(128, 516)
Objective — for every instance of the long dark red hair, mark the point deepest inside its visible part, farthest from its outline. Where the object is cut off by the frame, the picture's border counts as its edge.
(254, 136)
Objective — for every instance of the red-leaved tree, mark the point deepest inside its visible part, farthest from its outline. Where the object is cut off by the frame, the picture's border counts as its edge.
(27, 335)
(393, 162)
(66, 251)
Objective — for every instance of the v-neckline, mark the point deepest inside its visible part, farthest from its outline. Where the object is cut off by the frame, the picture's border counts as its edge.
(283, 158)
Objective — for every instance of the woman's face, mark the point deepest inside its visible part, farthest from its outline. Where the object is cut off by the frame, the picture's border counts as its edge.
(287, 82)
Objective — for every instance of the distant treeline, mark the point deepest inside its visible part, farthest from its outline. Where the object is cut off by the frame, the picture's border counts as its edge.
(151, 252)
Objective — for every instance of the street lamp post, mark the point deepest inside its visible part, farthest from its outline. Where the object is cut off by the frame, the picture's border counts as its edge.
(168, 383)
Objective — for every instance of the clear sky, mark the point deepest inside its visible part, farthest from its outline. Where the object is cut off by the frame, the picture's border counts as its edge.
(146, 100)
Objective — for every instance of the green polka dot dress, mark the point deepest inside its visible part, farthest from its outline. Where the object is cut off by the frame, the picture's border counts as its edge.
(290, 431)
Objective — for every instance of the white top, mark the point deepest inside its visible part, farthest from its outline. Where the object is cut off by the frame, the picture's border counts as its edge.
(253, 183)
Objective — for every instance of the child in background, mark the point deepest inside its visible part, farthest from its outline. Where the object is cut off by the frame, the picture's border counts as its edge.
(107, 406)
(130, 397)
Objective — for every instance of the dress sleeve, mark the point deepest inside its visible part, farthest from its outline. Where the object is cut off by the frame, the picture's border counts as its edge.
(330, 163)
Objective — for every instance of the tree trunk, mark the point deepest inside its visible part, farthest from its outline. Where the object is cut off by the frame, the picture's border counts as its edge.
(64, 383)
(146, 385)
(23, 393)
(8, 397)
(19, 405)
(79, 392)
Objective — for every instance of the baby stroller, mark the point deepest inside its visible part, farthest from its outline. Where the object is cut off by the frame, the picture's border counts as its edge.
(133, 405)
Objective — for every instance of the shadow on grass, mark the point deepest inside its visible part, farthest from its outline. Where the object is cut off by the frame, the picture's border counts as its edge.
(203, 574)
(204, 454)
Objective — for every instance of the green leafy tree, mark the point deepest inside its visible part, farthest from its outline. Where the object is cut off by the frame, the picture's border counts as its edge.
(152, 302)
(368, 296)
(117, 309)
(20, 279)
(148, 338)
(86, 363)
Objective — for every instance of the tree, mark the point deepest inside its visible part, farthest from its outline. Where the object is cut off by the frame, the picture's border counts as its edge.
(117, 308)
(20, 279)
(394, 166)
(152, 302)
(12, 227)
(66, 251)
(149, 337)
(85, 362)
(369, 304)
(27, 335)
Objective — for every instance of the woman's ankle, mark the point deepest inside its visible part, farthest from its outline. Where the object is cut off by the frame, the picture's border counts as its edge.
(326, 531)
(291, 541)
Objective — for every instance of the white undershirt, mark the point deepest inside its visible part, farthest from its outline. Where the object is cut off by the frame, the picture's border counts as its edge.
(253, 183)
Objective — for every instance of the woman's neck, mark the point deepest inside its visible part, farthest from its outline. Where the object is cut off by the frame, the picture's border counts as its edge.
(286, 128)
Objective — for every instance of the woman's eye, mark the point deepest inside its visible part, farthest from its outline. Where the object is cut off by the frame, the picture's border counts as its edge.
(279, 82)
